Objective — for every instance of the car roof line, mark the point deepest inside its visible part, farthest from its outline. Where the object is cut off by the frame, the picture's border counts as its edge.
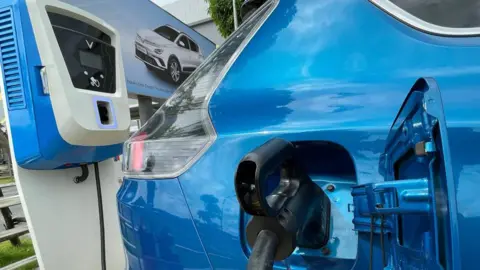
(179, 32)
(171, 27)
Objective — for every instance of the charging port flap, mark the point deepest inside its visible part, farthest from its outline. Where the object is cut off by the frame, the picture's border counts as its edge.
(413, 208)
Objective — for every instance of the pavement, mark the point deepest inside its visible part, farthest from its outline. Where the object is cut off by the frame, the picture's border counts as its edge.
(16, 209)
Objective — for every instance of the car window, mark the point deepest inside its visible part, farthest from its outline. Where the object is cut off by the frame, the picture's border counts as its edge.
(185, 114)
(446, 13)
(193, 45)
(183, 42)
(167, 32)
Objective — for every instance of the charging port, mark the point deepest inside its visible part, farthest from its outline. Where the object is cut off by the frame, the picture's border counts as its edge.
(104, 112)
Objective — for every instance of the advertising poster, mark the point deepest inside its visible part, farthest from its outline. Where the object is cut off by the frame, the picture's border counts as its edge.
(159, 51)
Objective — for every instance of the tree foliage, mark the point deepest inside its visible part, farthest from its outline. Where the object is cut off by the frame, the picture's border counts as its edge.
(221, 12)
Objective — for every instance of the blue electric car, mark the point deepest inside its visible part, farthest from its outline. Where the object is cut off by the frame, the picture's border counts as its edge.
(377, 103)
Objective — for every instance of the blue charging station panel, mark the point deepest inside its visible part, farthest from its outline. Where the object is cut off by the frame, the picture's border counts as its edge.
(37, 142)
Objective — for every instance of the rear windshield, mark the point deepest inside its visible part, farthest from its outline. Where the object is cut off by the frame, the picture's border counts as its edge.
(181, 128)
(167, 32)
(179, 116)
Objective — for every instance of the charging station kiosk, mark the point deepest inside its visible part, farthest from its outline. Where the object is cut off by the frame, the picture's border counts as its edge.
(66, 103)
(65, 89)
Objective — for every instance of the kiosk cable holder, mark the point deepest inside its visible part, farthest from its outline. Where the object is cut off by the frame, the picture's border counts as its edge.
(83, 176)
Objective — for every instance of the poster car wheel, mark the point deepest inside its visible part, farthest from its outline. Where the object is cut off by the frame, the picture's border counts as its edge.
(174, 70)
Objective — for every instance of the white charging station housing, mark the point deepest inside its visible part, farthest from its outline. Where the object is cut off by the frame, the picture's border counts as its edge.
(64, 84)
(77, 109)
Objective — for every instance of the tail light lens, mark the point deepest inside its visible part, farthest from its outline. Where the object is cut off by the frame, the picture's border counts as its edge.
(181, 130)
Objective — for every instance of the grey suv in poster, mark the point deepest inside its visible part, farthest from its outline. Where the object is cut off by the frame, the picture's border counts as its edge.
(159, 51)
(168, 49)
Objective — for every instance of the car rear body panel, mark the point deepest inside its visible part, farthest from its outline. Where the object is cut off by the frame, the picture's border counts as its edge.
(337, 72)
(157, 228)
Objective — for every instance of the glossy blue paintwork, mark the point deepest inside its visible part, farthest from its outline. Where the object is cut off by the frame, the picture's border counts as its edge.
(334, 71)
(35, 123)
(157, 229)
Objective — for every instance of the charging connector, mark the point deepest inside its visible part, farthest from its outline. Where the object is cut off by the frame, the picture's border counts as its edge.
(296, 208)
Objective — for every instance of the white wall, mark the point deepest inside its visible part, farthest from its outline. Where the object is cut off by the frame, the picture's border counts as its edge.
(188, 11)
(194, 13)
(209, 29)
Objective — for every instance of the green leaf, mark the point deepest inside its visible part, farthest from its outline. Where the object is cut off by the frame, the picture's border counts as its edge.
(221, 12)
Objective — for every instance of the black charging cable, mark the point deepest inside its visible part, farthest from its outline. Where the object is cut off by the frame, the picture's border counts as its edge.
(263, 252)
(81, 178)
(100, 217)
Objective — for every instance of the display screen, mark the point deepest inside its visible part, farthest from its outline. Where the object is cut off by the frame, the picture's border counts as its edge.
(91, 60)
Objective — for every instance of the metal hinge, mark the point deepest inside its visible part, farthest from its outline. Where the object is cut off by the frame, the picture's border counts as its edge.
(389, 198)
(375, 202)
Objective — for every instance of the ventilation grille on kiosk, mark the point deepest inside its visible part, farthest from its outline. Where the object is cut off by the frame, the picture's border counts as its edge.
(12, 77)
